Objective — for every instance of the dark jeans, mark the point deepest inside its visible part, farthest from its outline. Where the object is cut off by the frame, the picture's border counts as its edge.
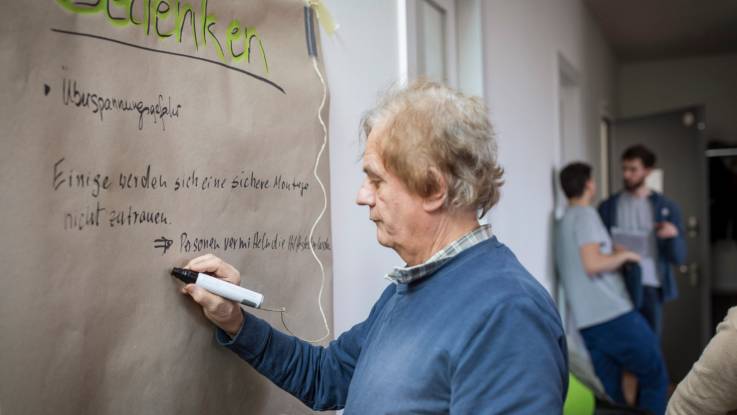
(628, 343)
(652, 309)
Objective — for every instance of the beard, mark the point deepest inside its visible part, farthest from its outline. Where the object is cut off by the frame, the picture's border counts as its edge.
(631, 186)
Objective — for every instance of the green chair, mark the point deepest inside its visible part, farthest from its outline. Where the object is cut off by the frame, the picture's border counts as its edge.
(580, 399)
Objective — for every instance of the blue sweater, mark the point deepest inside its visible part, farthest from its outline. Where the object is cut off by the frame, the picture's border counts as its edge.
(479, 336)
(670, 251)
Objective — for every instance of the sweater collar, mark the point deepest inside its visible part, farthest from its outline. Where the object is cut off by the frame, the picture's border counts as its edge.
(406, 275)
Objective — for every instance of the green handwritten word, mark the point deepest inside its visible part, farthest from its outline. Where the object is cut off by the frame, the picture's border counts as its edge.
(170, 18)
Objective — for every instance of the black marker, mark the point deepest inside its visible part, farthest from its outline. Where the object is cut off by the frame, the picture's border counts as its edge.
(220, 287)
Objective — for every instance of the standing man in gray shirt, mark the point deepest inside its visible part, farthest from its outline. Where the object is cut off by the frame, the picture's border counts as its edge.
(650, 220)
(617, 336)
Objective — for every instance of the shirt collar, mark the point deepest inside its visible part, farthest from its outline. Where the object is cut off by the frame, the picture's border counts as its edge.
(406, 275)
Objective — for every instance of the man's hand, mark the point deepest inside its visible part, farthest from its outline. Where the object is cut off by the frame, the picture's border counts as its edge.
(224, 313)
(626, 254)
(629, 256)
(666, 230)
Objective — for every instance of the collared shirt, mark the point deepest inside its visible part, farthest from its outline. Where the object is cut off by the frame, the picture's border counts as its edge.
(406, 275)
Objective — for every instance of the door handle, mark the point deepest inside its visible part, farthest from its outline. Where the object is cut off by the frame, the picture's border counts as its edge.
(692, 271)
(692, 226)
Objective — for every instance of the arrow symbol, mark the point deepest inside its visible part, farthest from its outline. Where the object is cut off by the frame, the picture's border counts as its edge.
(47, 89)
(163, 243)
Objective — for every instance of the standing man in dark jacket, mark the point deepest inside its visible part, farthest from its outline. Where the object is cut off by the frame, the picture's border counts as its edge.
(640, 210)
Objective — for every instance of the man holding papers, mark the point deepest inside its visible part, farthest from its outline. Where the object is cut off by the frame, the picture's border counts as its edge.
(646, 222)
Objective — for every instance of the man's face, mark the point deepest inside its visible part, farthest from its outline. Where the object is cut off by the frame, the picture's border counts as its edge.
(393, 208)
(634, 174)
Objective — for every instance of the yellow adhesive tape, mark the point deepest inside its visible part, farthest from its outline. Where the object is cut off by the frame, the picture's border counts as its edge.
(323, 16)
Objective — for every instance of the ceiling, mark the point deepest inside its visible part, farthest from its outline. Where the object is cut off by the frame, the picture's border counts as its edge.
(640, 30)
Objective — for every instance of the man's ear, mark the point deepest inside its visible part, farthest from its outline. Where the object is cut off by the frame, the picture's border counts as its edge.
(439, 194)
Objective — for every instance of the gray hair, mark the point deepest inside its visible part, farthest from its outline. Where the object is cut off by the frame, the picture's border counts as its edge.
(427, 125)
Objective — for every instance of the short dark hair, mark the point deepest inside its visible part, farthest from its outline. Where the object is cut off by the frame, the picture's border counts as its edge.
(573, 179)
(642, 153)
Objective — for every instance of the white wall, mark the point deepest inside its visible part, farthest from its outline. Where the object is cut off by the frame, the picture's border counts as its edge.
(522, 41)
(663, 85)
(361, 60)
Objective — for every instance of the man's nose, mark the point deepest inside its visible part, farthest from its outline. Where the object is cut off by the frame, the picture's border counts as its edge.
(365, 195)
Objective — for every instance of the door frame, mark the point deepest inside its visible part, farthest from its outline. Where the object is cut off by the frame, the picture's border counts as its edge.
(408, 49)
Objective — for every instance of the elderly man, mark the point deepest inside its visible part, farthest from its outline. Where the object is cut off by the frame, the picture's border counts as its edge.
(464, 328)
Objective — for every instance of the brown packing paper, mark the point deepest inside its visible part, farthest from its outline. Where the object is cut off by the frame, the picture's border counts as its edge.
(90, 320)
